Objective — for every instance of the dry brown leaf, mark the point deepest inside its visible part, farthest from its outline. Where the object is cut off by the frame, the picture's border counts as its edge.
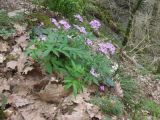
(12, 64)
(32, 115)
(4, 85)
(83, 110)
(78, 114)
(91, 109)
(20, 28)
(15, 116)
(2, 58)
(53, 93)
(3, 47)
(16, 51)
(21, 62)
(8, 112)
(22, 41)
(35, 111)
(19, 101)
(80, 98)
(118, 89)
(27, 69)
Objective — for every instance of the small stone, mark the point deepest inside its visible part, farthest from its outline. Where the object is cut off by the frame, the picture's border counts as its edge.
(2, 58)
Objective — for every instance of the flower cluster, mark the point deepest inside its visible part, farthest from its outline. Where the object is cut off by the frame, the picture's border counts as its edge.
(81, 29)
(95, 24)
(106, 48)
(89, 42)
(101, 88)
(65, 24)
(79, 17)
(55, 23)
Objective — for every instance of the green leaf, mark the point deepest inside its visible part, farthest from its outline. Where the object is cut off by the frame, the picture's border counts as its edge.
(67, 86)
(75, 88)
(48, 67)
(109, 82)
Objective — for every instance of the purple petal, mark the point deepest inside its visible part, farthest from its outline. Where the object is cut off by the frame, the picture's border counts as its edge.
(95, 24)
(54, 21)
(101, 88)
(106, 48)
(81, 29)
(89, 42)
(79, 17)
(65, 24)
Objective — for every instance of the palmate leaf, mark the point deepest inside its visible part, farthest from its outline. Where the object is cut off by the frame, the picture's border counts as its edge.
(75, 89)
(48, 67)
(75, 85)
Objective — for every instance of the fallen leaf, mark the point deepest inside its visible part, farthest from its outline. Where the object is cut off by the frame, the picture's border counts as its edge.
(3, 47)
(92, 110)
(80, 98)
(20, 28)
(53, 93)
(4, 85)
(16, 116)
(35, 111)
(21, 63)
(82, 111)
(8, 112)
(19, 101)
(16, 51)
(27, 69)
(12, 64)
(78, 114)
(118, 89)
(22, 41)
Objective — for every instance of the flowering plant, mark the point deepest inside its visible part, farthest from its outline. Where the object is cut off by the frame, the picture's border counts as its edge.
(95, 24)
(68, 49)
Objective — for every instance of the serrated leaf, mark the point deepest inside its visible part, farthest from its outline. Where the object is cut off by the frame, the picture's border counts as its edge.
(48, 67)
(75, 88)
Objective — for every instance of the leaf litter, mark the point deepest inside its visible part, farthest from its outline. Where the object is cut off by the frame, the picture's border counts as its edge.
(41, 105)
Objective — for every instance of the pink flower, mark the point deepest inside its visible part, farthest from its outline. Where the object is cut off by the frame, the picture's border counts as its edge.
(81, 29)
(79, 17)
(106, 48)
(89, 42)
(54, 21)
(65, 24)
(95, 24)
(93, 72)
(101, 88)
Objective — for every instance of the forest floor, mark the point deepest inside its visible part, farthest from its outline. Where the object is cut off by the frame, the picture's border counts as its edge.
(28, 93)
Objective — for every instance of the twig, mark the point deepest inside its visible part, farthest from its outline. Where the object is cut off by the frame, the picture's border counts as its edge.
(124, 54)
(137, 45)
(58, 108)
